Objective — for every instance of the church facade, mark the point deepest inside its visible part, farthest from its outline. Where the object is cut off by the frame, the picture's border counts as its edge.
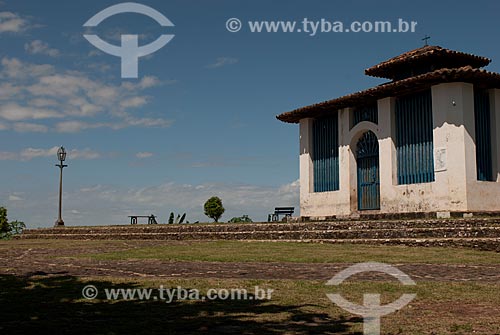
(427, 141)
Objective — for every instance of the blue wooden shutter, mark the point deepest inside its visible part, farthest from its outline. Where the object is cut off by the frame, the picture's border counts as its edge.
(483, 134)
(325, 154)
(414, 140)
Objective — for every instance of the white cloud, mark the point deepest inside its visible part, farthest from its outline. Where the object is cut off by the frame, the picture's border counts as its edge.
(7, 90)
(105, 205)
(99, 66)
(134, 102)
(31, 153)
(13, 68)
(91, 189)
(13, 197)
(78, 126)
(83, 154)
(147, 122)
(12, 23)
(148, 81)
(36, 92)
(75, 126)
(26, 127)
(144, 83)
(145, 154)
(39, 47)
(83, 107)
(93, 53)
(14, 112)
(41, 102)
(222, 61)
(70, 85)
(237, 199)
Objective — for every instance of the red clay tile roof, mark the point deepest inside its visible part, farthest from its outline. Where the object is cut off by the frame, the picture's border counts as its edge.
(427, 55)
(466, 74)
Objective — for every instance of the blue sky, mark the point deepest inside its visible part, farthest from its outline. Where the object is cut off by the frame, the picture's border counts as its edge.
(200, 119)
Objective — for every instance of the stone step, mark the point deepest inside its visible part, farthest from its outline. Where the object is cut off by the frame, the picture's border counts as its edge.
(440, 232)
(485, 243)
(483, 233)
(268, 227)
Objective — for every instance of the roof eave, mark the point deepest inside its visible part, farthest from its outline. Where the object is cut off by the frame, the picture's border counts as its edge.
(463, 74)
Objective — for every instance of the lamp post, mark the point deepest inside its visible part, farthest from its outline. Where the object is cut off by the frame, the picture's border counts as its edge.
(61, 156)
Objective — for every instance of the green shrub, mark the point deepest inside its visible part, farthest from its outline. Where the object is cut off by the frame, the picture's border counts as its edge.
(241, 219)
(213, 208)
(8, 229)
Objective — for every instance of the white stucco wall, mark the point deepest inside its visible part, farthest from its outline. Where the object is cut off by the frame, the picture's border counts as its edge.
(323, 203)
(455, 187)
(485, 195)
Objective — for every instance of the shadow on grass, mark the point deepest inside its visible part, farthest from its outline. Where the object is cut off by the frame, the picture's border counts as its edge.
(40, 304)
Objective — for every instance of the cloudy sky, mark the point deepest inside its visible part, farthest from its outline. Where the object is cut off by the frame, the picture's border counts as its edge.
(200, 119)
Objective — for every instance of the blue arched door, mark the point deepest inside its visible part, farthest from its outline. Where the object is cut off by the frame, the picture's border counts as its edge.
(367, 157)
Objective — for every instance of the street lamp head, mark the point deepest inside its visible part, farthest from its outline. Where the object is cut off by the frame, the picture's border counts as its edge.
(61, 154)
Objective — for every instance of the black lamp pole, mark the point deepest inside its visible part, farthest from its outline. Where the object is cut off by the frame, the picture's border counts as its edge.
(61, 156)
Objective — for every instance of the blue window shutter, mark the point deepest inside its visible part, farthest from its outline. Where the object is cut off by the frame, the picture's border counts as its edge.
(325, 154)
(414, 139)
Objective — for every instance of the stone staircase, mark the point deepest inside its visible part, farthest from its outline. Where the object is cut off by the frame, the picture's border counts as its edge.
(482, 233)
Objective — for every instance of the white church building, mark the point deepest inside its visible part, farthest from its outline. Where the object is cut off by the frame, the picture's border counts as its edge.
(425, 143)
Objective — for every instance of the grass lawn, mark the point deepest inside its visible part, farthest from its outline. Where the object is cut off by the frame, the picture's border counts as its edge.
(53, 303)
(234, 251)
(39, 305)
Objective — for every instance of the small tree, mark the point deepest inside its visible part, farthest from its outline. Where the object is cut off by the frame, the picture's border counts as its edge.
(213, 208)
(171, 218)
(4, 224)
(7, 229)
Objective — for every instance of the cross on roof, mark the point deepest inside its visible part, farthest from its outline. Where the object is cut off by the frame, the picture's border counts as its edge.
(425, 39)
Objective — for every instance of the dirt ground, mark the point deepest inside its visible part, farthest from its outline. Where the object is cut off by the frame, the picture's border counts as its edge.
(40, 259)
(43, 277)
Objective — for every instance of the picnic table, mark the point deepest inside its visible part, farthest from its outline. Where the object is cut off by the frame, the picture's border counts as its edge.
(151, 218)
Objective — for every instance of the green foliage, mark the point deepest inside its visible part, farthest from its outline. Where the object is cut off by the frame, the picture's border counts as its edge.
(213, 208)
(8, 229)
(4, 224)
(179, 219)
(241, 219)
(16, 227)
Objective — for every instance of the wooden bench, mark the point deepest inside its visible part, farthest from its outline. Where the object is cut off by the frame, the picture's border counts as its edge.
(286, 211)
(151, 218)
